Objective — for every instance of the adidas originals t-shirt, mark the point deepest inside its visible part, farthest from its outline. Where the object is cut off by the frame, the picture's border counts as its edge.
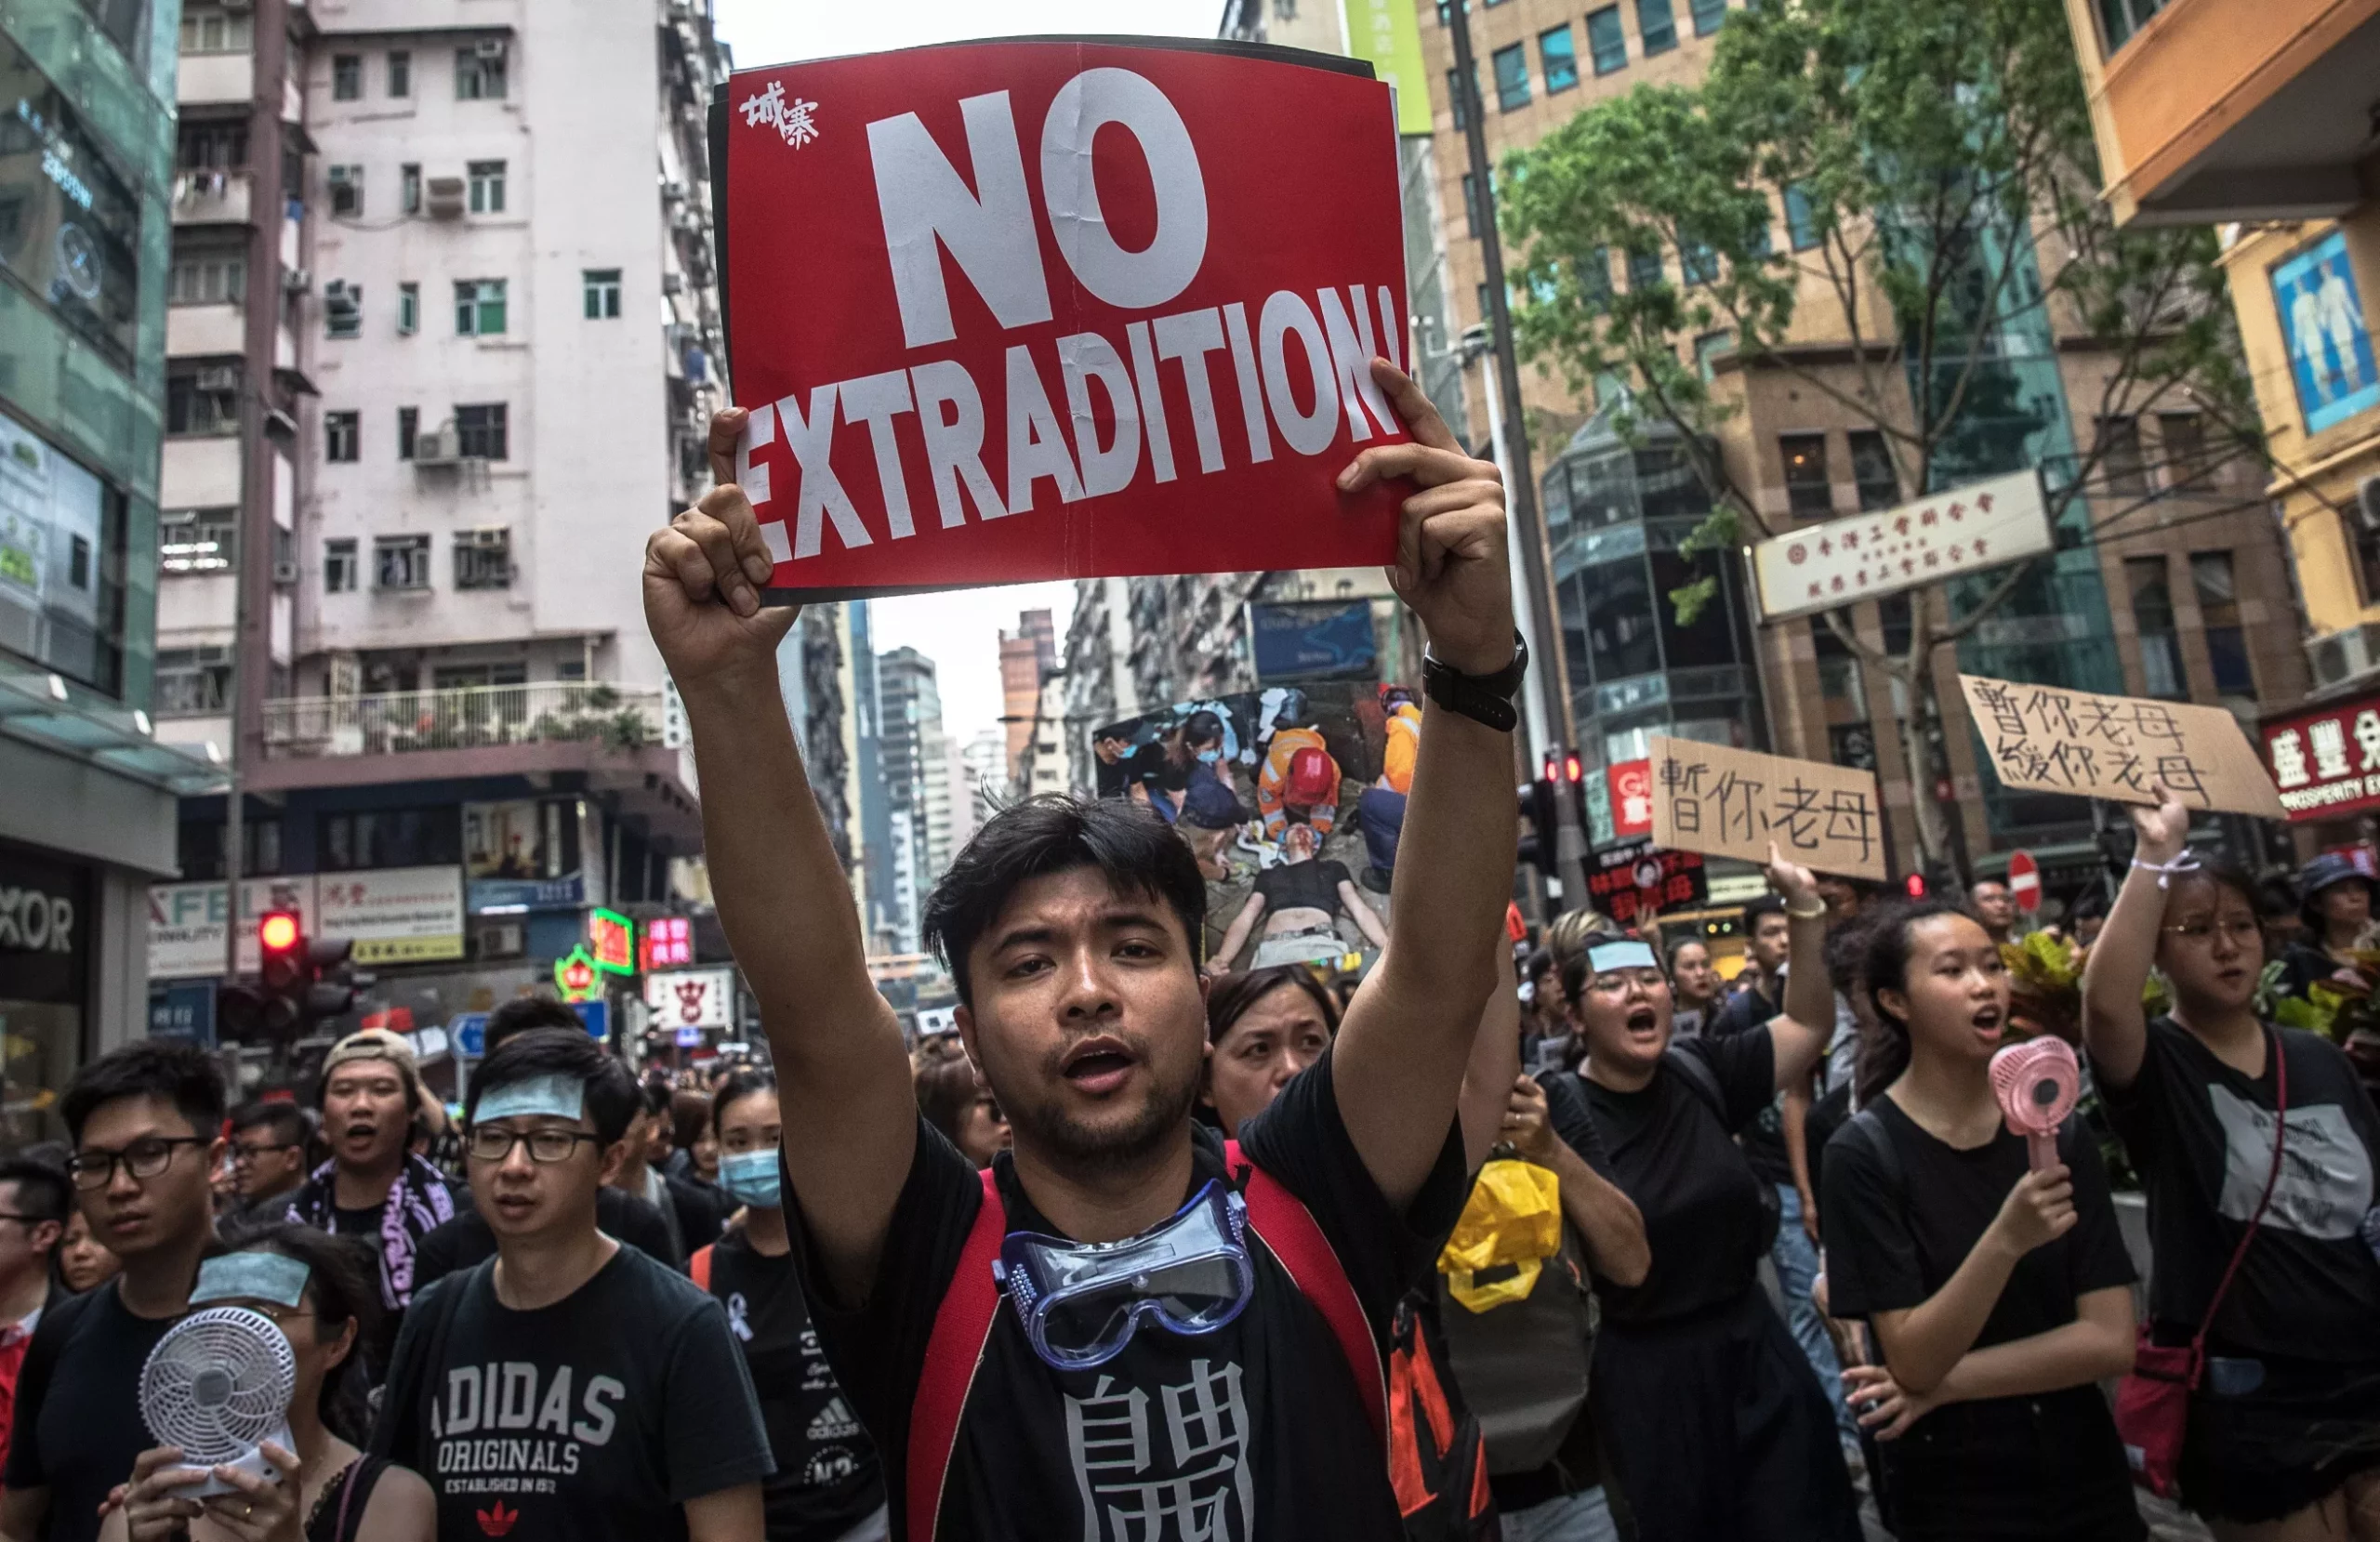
(828, 1477)
(594, 1419)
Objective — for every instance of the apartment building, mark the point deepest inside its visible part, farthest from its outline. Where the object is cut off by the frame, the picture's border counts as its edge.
(481, 233)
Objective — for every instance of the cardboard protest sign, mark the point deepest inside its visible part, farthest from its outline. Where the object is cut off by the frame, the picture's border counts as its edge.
(2046, 739)
(1727, 802)
(1051, 308)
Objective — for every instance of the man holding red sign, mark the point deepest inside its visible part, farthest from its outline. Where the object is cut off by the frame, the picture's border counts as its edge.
(1187, 1339)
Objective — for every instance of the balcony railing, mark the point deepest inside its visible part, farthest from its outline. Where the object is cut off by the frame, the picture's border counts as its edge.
(471, 716)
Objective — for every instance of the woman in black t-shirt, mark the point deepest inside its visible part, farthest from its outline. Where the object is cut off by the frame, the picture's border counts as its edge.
(1712, 1421)
(1998, 1296)
(2284, 1428)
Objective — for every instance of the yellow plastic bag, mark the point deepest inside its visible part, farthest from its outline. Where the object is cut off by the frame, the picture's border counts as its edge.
(1513, 1217)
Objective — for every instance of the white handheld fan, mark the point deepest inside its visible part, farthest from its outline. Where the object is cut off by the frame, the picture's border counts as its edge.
(218, 1385)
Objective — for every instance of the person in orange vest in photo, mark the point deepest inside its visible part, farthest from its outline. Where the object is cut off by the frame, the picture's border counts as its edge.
(1379, 812)
(1299, 777)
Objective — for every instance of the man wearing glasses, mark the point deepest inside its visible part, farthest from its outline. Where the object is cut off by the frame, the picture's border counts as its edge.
(268, 1159)
(143, 1120)
(569, 1387)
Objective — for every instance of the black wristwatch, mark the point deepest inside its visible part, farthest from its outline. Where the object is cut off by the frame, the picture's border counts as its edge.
(1484, 698)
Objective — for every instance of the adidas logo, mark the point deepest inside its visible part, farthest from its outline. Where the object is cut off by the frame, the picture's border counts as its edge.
(834, 1423)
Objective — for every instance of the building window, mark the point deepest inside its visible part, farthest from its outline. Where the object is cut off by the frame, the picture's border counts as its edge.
(408, 429)
(480, 431)
(211, 146)
(1470, 204)
(487, 186)
(483, 559)
(479, 71)
(347, 193)
(339, 565)
(342, 437)
(1560, 56)
(602, 287)
(1807, 492)
(1708, 15)
(218, 31)
(196, 540)
(204, 401)
(2218, 614)
(401, 562)
(2121, 469)
(343, 309)
(408, 310)
(1656, 26)
(347, 77)
(204, 278)
(2123, 18)
(409, 188)
(192, 681)
(1480, 294)
(1872, 471)
(399, 72)
(1801, 224)
(1643, 270)
(389, 838)
(1606, 41)
(1511, 66)
(479, 307)
(2152, 612)
(1697, 262)
(2184, 438)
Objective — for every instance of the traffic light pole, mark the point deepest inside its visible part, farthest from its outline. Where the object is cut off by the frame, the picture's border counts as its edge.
(1520, 484)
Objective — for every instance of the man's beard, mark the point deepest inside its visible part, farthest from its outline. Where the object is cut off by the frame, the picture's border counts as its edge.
(1067, 1141)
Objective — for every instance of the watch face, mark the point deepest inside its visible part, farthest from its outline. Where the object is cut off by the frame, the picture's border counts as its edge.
(78, 262)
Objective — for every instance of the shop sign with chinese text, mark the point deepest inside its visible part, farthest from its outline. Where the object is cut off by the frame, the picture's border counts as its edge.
(2326, 762)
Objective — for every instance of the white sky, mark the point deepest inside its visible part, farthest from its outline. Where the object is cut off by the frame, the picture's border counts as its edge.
(960, 631)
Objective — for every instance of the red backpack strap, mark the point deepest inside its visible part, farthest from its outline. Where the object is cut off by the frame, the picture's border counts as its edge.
(699, 1266)
(962, 1327)
(1289, 1230)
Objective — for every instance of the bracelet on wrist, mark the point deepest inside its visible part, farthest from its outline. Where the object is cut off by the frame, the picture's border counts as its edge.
(2182, 862)
(1816, 912)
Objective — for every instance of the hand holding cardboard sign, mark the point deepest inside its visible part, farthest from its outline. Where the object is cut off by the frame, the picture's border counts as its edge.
(2164, 829)
(702, 572)
(1451, 562)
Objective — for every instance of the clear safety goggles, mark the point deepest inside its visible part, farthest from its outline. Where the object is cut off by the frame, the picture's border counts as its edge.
(1080, 1302)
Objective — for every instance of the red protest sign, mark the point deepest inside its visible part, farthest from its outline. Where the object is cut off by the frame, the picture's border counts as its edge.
(1632, 799)
(1039, 310)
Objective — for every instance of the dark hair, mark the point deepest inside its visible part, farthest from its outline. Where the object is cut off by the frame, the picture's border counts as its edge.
(1679, 947)
(612, 1100)
(2093, 901)
(946, 1091)
(1202, 728)
(1767, 904)
(42, 1191)
(657, 1095)
(344, 1278)
(689, 1116)
(2275, 896)
(522, 1013)
(288, 1121)
(1131, 847)
(1235, 993)
(1541, 961)
(180, 1072)
(739, 1085)
(1883, 1054)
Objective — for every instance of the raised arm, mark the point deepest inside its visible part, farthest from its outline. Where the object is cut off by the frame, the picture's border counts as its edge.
(1798, 1033)
(1399, 1060)
(1609, 1221)
(842, 1074)
(2115, 1030)
(1487, 1079)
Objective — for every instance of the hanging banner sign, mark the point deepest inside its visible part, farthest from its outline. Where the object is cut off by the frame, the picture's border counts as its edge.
(1037, 309)
(1727, 802)
(2326, 761)
(2046, 739)
(1984, 524)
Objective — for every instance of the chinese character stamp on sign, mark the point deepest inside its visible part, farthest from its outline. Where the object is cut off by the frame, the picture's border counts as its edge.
(792, 120)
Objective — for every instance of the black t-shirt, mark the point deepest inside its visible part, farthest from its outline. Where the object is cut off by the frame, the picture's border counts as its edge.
(2202, 1135)
(828, 1477)
(454, 1245)
(1764, 1139)
(1313, 883)
(78, 1424)
(1256, 1430)
(1887, 1249)
(1672, 1153)
(596, 1417)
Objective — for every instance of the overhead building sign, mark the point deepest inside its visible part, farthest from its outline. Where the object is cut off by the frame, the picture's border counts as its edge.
(1985, 525)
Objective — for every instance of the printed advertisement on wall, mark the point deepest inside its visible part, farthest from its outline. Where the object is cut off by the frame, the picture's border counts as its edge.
(186, 923)
(2322, 324)
(397, 916)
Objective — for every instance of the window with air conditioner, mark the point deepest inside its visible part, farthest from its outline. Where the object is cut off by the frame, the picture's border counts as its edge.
(339, 565)
(408, 430)
(479, 71)
(342, 309)
(480, 431)
(400, 562)
(483, 560)
(202, 402)
(196, 540)
(486, 178)
(479, 307)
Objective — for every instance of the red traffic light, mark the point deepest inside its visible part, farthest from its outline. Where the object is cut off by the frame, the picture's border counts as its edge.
(1915, 884)
(277, 931)
(1574, 769)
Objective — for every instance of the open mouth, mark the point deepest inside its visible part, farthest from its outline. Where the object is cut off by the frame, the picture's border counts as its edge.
(1989, 1021)
(1097, 1064)
(1644, 1019)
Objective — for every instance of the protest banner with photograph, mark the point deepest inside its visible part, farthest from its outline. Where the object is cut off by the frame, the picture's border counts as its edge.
(1636, 880)
(1030, 310)
(2044, 738)
(1728, 802)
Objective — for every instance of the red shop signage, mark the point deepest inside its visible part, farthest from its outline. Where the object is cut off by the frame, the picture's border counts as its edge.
(2325, 760)
(1055, 309)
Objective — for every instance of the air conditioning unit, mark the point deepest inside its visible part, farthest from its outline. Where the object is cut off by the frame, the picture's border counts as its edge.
(2367, 502)
(489, 48)
(673, 284)
(218, 379)
(495, 539)
(438, 447)
(2344, 656)
(339, 300)
(285, 575)
(297, 281)
(445, 197)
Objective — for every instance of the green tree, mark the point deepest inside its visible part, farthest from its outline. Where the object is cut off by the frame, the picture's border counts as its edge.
(1935, 162)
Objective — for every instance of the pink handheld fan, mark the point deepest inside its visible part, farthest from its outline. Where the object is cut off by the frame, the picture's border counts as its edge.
(2037, 1082)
